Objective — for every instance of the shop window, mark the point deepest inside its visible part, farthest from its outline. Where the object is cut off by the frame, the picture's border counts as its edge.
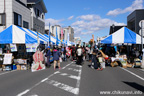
(17, 19)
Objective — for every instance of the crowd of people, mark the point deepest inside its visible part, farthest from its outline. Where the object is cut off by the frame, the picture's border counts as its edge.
(74, 53)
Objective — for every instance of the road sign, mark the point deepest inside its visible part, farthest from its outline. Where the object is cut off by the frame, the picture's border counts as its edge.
(141, 24)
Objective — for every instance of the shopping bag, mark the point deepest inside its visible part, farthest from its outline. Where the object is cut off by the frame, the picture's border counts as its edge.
(60, 59)
(62, 56)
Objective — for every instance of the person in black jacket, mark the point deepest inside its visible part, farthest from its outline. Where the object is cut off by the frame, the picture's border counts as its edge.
(64, 53)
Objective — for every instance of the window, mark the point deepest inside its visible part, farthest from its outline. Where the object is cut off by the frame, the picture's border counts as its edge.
(42, 16)
(37, 12)
(2, 19)
(25, 24)
(17, 19)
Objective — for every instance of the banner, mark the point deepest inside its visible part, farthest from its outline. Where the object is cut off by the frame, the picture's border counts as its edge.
(31, 47)
(7, 58)
(13, 47)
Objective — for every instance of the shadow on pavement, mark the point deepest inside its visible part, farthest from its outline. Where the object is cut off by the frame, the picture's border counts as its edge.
(135, 85)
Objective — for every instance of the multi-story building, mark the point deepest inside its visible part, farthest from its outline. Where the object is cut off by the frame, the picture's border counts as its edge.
(14, 12)
(38, 10)
(68, 30)
(71, 33)
(24, 13)
(133, 20)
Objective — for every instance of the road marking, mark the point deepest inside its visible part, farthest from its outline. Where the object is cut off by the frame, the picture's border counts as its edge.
(76, 70)
(26, 91)
(78, 81)
(67, 65)
(63, 86)
(23, 92)
(133, 73)
(70, 76)
(8, 72)
(77, 65)
(44, 80)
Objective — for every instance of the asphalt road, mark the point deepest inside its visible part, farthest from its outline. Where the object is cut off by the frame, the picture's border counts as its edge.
(73, 80)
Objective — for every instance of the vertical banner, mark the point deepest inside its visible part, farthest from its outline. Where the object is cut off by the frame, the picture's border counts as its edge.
(93, 38)
(61, 34)
(13, 47)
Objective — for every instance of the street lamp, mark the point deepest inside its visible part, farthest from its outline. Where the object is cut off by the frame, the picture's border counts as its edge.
(113, 27)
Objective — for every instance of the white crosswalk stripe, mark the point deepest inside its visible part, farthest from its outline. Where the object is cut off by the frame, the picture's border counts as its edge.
(69, 68)
(63, 86)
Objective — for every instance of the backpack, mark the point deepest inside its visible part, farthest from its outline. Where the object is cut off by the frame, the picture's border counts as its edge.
(79, 52)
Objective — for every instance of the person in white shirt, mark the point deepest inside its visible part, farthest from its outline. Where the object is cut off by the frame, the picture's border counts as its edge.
(79, 54)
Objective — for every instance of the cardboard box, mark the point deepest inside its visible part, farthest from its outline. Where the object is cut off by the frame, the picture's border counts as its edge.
(23, 67)
(18, 67)
(114, 64)
(124, 66)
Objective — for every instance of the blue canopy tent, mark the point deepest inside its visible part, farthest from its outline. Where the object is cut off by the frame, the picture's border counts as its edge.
(123, 35)
(53, 40)
(14, 34)
(41, 37)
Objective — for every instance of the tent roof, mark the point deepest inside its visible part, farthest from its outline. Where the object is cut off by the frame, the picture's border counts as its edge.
(123, 35)
(14, 34)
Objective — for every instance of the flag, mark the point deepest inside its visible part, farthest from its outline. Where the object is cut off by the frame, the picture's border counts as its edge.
(56, 37)
(61, 34)
(49, 34)
(68, 37)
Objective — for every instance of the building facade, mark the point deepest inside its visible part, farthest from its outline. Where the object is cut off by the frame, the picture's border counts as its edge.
(133, 20)
(19, 12)
(38, 10)
(71, 33)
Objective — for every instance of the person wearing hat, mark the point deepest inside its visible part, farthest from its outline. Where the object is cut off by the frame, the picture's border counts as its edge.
(48, 55)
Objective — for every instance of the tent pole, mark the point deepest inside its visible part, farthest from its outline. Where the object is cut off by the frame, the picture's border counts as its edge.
(142, 35)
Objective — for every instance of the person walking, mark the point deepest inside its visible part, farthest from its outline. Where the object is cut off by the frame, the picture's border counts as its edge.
(48, 56)
(79, 54)
(64, 53)
(56, 56)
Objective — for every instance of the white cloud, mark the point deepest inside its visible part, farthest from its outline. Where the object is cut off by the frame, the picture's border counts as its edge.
(71, 17)
(88, 24)
(137, 4)
(89, 17)
(53, 21)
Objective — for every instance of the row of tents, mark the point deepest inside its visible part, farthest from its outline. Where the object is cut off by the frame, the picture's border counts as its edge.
(18, 35)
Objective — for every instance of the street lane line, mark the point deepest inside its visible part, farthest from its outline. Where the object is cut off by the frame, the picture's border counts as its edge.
(77, 65)
(23, 92)
(26, 91)
(76, 70)
(63, 86)
(44, 80)
(133, 73)
(67, 65)
(70, 76)
(78, 81)
(8, 72)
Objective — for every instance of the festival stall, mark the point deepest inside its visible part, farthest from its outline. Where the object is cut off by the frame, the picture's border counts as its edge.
(16, 38)
(123, 35)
